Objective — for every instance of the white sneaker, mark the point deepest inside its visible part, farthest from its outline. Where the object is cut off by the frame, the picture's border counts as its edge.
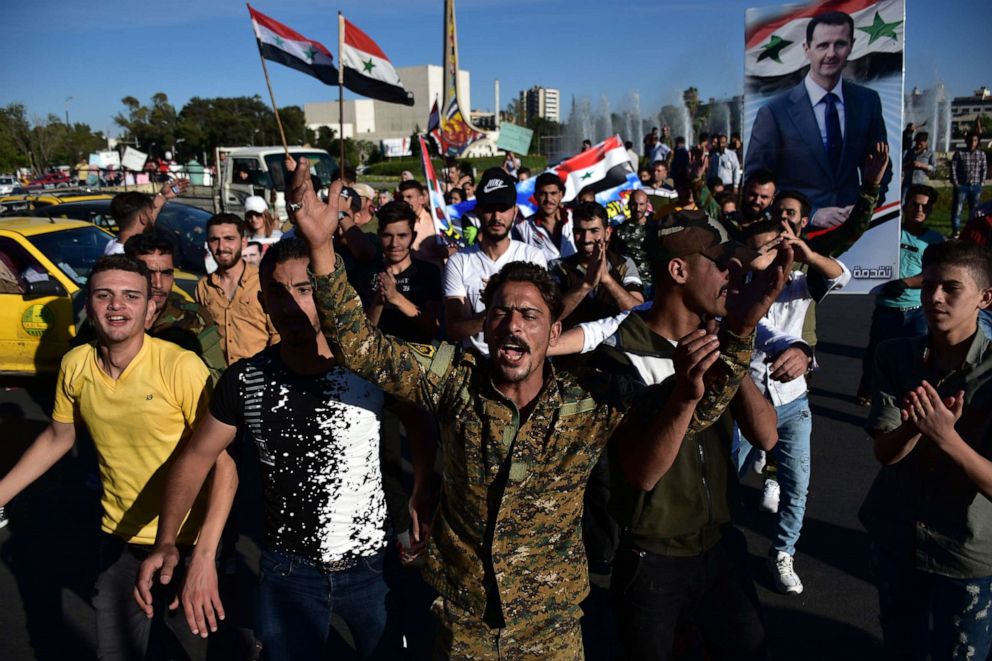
(785, 576)
(769, 497)
(759, 463)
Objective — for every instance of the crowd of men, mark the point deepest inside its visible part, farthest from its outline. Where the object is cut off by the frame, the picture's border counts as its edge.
(573, 396)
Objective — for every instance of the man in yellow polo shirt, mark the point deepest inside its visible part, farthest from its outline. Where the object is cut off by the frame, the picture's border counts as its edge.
(139, 398)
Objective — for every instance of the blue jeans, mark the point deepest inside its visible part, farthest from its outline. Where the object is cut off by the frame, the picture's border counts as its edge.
(925, 615)
(296, 601)
(795, 424)
(970, 192)
(887, 323)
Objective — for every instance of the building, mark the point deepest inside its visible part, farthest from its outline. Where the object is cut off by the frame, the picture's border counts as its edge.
(483, 120)
(541, 102)
(966, 109)
(368, 119)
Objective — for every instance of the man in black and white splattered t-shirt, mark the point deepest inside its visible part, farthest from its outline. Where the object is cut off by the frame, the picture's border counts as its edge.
(316, 427)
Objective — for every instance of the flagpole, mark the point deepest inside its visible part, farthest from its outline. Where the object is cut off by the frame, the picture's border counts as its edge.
(268, 83)
(341, 91)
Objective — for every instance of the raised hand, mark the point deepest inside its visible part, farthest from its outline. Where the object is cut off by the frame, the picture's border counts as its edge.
(933, 416)
(694, 355)
(873, 169)
(749, 300)
(180, 184)
(315, 220)
(801, 252)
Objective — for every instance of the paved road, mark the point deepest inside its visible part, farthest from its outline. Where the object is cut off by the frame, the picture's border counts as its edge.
(47, 564)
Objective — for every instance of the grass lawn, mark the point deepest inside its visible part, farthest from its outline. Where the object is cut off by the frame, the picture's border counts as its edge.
(940, 217)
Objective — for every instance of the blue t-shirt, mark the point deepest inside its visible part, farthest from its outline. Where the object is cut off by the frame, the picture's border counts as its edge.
(911, 249)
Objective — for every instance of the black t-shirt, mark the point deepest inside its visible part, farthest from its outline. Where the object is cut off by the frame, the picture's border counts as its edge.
(420, 283)
(318, 442)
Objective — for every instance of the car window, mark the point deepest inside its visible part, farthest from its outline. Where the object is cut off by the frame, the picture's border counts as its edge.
(256, 177)
(74, 251)
(186, 227)
(18, 268)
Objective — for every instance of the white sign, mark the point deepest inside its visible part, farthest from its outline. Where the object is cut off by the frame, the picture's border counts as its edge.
(392, 147)
(105, 159)
(134, 159)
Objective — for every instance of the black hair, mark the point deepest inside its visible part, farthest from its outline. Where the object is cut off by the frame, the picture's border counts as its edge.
(923, 189)
(228, 219)
(680, 139)
(703, 137)
(125, 206)
(830, 18)
(394, 212)
(282, 251)
(523, 169)
(761, 227)
(922, 135)
(628, 144)
(548, 179)
(804, 204)
(147, 243)
(659, 162)
(724, 197)
(526, 272)
(257, 244)
(447, 196)
(761, 176)
(966, 254)
(588, 211)
(411, 184)
(713, 182)
(120, 262)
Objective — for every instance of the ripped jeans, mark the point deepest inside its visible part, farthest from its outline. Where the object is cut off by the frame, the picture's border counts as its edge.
(795, 425)
(926, 615)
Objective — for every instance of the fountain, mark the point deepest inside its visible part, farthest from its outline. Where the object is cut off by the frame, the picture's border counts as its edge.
(604, 123)
(633, 128)
(930, 111)
(719, 119)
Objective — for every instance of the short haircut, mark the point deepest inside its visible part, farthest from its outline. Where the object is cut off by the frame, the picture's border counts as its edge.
(228, 219)
(762, 227)
(589, 211)
(724, 197)
(829, 18)
(680, 140)
(761, 176)
(974, 134)
(968, 255)
(921, 136)
(628, 144)
(526, 272)
(703, 137)
(126, 206)
(804, 205)
(923, 189)
(523, 169)
(148, 243)
(255, 244)
(448, 197)
(548, 179)
(120, 262)
(659, 162)
(394, 212)
(735, 134)
(713, 182)
(282, 251)
(350, 173)
(411, 184)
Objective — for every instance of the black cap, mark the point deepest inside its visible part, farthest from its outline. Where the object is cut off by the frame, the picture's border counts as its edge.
(496, 189)
(690, 232)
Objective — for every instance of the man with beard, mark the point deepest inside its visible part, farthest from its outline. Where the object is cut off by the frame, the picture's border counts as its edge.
(629, 236)
(316, 427)
(596, 282)
(550, 228)
(139, 398)
(230, 294)
(519, 439)
(724, 164)
(467, 271)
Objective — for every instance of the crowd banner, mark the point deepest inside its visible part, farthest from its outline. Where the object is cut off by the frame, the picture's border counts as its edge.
(823, 83)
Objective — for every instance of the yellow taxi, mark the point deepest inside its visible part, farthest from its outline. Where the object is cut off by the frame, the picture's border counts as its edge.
(44, 265)
(25, 203)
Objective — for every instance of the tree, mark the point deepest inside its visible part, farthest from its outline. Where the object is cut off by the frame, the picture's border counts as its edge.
(542, 127)
(152, 128)
(15, 138)
(690, 98)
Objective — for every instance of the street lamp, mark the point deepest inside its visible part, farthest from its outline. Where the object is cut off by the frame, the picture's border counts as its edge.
(67, 100)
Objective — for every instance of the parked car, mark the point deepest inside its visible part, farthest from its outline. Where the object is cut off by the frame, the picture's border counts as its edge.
(8, 184)
(50, 180)
(19, 204)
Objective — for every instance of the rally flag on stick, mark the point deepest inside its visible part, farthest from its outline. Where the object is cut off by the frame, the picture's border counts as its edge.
(367, 70)
(450, 233)
(282, 44)
(434, 127)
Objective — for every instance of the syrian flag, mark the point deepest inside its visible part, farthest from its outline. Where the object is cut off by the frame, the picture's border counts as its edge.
(434, 127)
(279, 43)
(774, 39)
(599, 168)
(367, 70)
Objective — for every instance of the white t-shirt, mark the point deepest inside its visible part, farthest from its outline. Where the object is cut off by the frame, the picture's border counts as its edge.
(468, 271)
(113, 247)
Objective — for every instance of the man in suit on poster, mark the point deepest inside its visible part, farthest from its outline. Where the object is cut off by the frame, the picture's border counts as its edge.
(816, 135)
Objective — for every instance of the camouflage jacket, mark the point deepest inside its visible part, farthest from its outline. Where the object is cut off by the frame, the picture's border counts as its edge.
(629, 241)
(189, 325)
(508, 522)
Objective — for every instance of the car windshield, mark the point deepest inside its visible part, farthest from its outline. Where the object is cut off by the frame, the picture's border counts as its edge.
(186, 227)
(74, 251)
(321, 165)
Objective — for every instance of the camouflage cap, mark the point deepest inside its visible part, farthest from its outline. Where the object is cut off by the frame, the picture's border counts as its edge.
(691, 232)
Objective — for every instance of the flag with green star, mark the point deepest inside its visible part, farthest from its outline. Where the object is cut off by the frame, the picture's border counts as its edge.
(367, 70)
(280, 43)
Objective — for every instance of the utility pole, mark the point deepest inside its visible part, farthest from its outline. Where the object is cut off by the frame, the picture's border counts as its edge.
(67, 100)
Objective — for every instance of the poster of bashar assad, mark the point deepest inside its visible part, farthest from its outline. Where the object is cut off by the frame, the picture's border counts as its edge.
(823, 93)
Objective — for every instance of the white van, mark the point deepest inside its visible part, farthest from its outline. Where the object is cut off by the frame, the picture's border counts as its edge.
(260, 171)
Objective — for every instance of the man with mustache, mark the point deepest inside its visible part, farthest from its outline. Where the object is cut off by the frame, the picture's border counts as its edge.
(230, 294)
(468, 271)
(550, 228)
(519, 439)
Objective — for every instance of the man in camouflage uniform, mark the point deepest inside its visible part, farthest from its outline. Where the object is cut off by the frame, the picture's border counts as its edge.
(177, 320)
(629, 238)
(518, 441)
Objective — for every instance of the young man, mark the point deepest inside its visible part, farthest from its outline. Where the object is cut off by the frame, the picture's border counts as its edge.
(780, 361)
(426, 243)
(252, 254)
(139, 398)
(550, 228)
(466, 273)
(919, 162)
(898, 308)
(407, 300)
(596, 282)
(316, 427)
(230, 294)
(629, 237)
(969, 169)
(176, 319)
(135, 212)
(928, 513)
(679, 552)
(724, 164)
(518, 442)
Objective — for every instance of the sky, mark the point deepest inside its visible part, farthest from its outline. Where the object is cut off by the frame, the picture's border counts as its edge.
(99, 52)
